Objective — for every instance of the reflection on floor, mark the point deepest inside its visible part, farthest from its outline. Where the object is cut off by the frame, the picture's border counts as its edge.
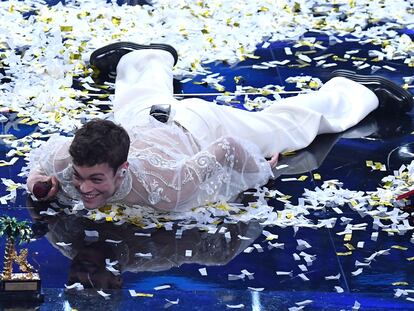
(338, 240)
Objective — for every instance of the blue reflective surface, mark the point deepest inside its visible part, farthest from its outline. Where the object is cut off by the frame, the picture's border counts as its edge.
(385, 139)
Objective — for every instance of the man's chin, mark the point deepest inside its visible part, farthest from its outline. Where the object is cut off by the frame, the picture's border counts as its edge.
(92, 205)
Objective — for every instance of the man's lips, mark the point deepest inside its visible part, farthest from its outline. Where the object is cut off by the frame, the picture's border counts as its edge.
(89, 196)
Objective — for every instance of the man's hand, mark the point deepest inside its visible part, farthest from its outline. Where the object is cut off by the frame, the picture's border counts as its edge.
(43, 187)
(273, 160)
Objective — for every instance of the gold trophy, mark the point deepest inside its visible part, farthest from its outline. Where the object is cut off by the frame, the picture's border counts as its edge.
(24, 286)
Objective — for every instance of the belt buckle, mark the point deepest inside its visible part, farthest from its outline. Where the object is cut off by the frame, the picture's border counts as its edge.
(161, 112)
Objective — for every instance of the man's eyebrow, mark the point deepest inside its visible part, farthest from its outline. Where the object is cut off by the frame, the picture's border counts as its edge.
(93, 175)
(97, 175)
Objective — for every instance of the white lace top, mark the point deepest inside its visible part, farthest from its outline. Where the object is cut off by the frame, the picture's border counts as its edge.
(168, 168)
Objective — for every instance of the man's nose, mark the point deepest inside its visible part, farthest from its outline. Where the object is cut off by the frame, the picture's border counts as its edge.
(86, 186)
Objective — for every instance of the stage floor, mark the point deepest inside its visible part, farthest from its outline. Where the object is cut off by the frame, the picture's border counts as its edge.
(338, 240)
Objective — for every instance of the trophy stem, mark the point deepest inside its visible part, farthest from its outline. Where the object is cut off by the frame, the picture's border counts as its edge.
(9, 253)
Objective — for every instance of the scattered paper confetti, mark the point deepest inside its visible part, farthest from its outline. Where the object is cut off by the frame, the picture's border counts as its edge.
(356, 306)
(304, 302)
(77, 286)
(42, 93)
(161, 287)
(339, 289)
(133, 293)
(143, 255)
(173, 302)
(239, 306)
(91, 233)
(103, 294)
(256, 289)
(203, 271)
(63, 244)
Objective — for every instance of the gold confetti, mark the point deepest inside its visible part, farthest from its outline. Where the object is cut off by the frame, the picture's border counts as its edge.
(317, 176)
(66, 28)
(399, 247)
(400, 284)
(348, 237)
(354, 203)
(116, 20)
(349, 246)
(144, 295)
(344, 253)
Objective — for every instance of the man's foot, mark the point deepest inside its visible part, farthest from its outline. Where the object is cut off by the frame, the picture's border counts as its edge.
(392, 97)
(106, 59)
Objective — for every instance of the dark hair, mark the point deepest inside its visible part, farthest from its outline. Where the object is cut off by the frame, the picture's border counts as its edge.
(100, 141)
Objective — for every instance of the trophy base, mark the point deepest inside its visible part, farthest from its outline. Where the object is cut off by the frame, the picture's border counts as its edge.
(21, 289)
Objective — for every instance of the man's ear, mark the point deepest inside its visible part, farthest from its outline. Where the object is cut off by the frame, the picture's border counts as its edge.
(123, 168)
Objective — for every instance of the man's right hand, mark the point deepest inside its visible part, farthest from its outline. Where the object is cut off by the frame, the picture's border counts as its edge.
(43, 187)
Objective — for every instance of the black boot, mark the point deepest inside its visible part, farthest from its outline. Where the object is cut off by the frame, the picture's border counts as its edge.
(106, 59)
(392, 97)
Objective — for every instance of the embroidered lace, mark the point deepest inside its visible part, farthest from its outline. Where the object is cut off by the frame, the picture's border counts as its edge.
(169, 169)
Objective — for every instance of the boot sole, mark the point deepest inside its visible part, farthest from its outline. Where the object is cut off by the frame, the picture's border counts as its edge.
(101, 52)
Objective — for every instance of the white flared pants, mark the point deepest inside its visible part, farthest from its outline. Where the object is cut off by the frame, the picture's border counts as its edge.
(144, 78)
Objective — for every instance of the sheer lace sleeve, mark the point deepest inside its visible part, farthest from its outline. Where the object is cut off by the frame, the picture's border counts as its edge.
(218, 172)
(53, 159)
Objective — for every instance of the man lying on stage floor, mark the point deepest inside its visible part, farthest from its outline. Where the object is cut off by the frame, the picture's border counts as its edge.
(174, 155)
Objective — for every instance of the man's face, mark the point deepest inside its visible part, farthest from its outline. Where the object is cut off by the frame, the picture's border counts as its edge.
(96, 184)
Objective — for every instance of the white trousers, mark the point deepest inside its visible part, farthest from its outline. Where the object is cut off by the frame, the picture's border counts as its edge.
(144, 78)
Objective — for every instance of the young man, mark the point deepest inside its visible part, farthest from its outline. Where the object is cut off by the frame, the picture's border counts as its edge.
(200, 152)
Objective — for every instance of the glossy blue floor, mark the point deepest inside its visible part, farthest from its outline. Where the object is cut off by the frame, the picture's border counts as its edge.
(340, 253)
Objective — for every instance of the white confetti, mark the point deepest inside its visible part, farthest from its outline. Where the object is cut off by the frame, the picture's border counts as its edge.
(161, 287)
(304, 302)
(248, 249)
(50, 212)
(249, 275)
(239, 306)
(360, 244)
(113, 241)
(302, 244)
(77, 286)
(357, 272)
(243, 237)
(103, 294)
(356, 306)
(256, 289)
(91, 233)
(203, 271)
(143, 255)
(275, 245)
(339, 289)
(258, 247)
(235, 277)
(303, 277)
(142, 234)
(333, 277)
(63, 244)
